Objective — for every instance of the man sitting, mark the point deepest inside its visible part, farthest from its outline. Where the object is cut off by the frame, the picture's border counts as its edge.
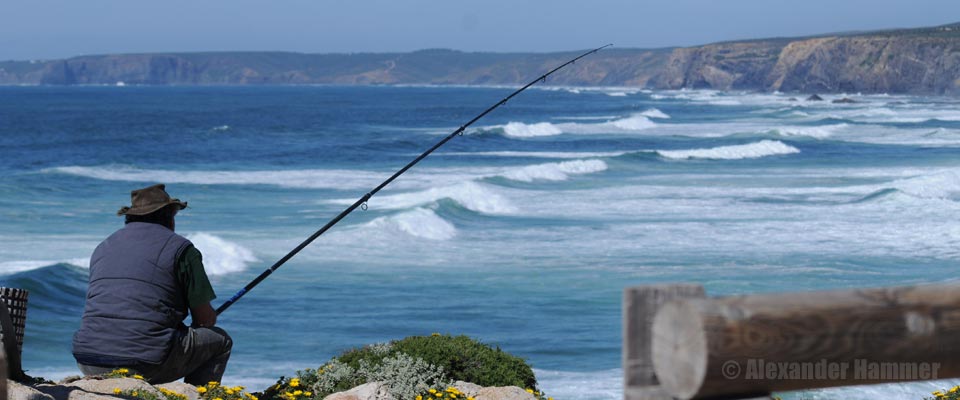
(143, 280)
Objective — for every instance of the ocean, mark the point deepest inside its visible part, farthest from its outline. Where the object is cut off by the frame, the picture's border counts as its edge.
(521, 233)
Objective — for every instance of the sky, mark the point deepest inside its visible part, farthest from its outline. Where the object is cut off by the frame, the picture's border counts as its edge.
(50, 29)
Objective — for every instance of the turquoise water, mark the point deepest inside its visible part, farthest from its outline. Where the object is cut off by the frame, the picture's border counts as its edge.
(521, 233)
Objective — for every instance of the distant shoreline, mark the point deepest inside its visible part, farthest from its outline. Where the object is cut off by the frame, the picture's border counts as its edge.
(904, 61)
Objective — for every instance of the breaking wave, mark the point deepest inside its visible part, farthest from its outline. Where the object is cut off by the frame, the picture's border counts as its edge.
(634, 123)
(816, 132)
(759, 149)
(308, 178)
(519, 129)
(555, 171)
(473, 196)
(420, 222)
(942, 185)
(221, 257)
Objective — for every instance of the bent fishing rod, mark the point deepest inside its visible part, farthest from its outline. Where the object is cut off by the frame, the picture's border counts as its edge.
(362, 201)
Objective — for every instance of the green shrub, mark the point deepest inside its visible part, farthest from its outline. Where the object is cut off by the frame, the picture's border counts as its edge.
(411, 366)
(465, 359)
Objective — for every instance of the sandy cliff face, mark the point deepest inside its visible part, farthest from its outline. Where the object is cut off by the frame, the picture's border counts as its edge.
(917, 61)
(830, 64)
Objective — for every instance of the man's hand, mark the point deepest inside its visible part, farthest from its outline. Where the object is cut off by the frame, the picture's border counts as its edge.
(203, 316)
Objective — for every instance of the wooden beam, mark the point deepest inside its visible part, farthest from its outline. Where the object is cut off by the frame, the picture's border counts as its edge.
(640, 304)
(742, 345)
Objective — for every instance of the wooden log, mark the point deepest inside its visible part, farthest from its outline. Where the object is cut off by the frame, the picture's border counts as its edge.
(743, 345)
(640, 304)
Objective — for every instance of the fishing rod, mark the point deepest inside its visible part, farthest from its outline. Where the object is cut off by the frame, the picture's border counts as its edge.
(362, 202)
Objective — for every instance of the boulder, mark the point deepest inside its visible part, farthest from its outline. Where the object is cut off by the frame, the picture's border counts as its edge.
(504, 393)
(367, 391)
(845, 100)
(815, 97)
(94, 389)
(185, 389)
(467, 388)
(17, 391)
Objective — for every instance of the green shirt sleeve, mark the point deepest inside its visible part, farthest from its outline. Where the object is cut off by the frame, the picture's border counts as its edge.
(193, 277)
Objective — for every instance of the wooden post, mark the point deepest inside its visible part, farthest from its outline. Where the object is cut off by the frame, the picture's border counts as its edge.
(640, 304)
(744, 345)
(3, 374)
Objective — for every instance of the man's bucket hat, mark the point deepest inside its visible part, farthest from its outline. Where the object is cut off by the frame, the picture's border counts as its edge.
(149, 199)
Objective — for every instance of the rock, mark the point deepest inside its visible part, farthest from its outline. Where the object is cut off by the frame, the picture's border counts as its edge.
(504, 393)
(815, 97)
(468, 389)
(185, 389)
(16, 391)
(367, 391)
(845, 100)
(94, 389)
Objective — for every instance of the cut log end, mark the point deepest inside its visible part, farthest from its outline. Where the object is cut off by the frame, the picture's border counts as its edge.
(679, 349)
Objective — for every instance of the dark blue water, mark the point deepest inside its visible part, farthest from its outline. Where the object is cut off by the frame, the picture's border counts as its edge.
(522, 232)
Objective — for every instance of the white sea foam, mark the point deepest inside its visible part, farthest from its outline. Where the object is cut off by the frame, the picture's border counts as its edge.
(221, 128)
(817, 132)
(617, 94)
(759, 149)
(655, 113)
(12, 267)
(471, 195)
(312, 178)
(941, 185)
(555, 171)
(419, 222)
(221, 257)
(634, 123)
(539, 154)
(519, 129)
(606, 385)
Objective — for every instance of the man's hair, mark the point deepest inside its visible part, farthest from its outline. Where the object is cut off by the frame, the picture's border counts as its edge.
(163, 216)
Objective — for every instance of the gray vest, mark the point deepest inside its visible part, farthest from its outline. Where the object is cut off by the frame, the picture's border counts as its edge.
(134, 303)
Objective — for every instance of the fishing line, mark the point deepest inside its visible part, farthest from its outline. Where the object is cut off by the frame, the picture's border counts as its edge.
(362, 202)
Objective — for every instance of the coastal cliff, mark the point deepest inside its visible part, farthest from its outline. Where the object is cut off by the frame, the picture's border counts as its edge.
(918, 61)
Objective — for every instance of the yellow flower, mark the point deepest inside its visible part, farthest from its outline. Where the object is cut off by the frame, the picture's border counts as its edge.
(419, 397)
(238, 389)
(438, 394)
(298, 392)
(217, 398)
(954, 390)
(229, 391)
(134, 394)
(530, 391)
(213, 384)
(435, 334)
(252, 397)
(308, 393)
(201, 390)
(116, 390)
(471, 398)
(122, 370)
(432, 391)
(294, 382)
(140, 377)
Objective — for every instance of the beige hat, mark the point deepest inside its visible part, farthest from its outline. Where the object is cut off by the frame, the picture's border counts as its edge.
(149, 199)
